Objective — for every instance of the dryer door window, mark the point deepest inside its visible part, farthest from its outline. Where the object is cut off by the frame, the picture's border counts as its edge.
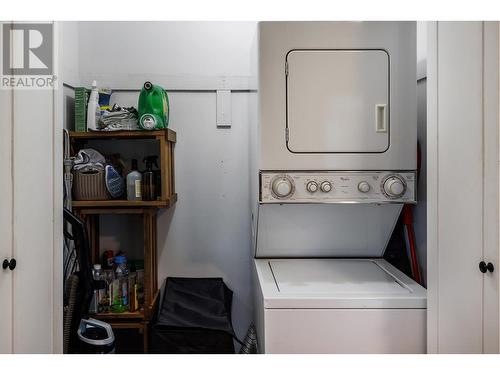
(337, 101)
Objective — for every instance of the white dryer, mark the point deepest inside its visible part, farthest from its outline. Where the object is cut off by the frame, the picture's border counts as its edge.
(337, 96)
(335, 160)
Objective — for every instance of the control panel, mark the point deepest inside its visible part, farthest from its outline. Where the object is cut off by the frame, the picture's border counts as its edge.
(338, 187)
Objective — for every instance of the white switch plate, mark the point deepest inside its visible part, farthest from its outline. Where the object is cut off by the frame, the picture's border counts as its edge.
(223, 108)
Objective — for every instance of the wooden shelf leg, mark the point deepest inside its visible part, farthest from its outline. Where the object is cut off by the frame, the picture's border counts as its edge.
(146, 337)
(148, 266)
(154, 252)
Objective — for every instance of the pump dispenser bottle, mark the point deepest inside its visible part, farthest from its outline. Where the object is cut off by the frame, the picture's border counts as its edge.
(134, 179)
(93, 109)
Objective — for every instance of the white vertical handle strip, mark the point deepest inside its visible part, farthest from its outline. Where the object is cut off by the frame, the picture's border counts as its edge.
(380, 118)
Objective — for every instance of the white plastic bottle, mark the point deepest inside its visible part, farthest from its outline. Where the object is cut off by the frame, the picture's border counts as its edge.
(134, 181)
(93, 109)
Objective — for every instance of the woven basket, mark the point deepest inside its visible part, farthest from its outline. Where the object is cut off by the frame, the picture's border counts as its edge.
(89, 186)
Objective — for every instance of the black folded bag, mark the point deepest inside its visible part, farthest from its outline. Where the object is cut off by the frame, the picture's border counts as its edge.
(194, 317)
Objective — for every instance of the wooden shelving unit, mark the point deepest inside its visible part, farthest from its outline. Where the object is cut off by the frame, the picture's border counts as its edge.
(166, 139)
(124, 203)
(169, 134)
(90, 212)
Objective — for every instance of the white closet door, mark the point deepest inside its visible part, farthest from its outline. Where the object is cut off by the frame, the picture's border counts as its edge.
(5, 220)
(491, 187)
(462, 187)
(31, 165)
(33, 221)
(460, 163)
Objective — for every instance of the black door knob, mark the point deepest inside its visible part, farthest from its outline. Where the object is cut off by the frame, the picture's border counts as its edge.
(482, 267)
(10, 264)
(490, 267)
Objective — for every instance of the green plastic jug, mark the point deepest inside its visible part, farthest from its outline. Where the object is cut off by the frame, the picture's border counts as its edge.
(153, 107)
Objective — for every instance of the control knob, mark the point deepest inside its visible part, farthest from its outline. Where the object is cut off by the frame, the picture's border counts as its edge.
(364, 187)
(394, 186)
(312, 186)
(282, 187)
(326, 186)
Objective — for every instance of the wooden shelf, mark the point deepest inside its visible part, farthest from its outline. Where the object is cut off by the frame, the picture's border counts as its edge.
(127, 315)
(171, 136)
(114, 204)
(166, 139)
(139, 315)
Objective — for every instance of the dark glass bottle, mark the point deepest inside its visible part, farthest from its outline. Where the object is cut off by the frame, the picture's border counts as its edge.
(148, 181)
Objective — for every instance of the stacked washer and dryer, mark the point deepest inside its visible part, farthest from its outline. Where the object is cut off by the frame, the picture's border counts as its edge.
(335, 160)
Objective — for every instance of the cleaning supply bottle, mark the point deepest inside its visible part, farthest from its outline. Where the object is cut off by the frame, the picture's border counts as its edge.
(99, 275)
(93, 109)
(153, 107)
(149, 179)
(121, 297)
(134, 181)
(94, 303)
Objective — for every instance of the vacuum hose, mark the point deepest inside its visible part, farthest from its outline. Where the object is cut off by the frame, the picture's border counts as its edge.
(69, 311)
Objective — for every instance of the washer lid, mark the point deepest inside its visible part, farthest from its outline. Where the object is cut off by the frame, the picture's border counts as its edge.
(336, 283)
(335, 276)
(324, 230)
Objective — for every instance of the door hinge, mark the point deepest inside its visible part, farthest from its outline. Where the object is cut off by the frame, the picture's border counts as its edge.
(286, 134)
(286, 68)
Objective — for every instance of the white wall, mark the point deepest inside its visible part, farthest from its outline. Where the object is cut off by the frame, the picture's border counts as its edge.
(181, 54)
(69, 67)
(207, 233)
(69, 63)
(166, 48)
